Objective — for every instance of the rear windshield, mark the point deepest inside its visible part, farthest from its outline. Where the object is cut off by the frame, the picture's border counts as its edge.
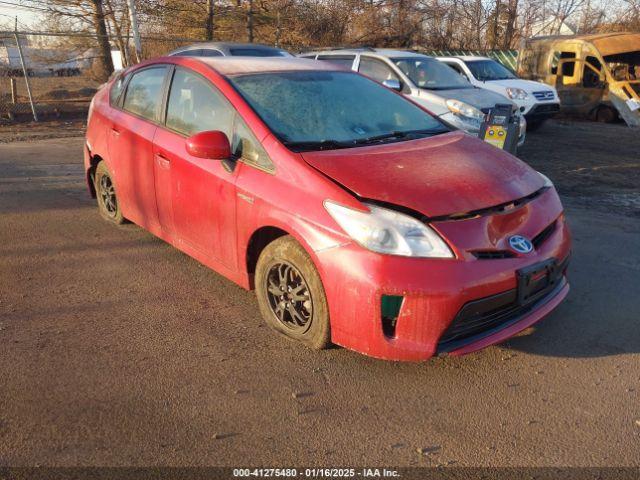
(310, 110)
(257, 52)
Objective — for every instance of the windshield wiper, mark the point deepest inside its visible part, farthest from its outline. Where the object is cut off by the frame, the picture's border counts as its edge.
(335, 144)
(399, 134)
(317, 145)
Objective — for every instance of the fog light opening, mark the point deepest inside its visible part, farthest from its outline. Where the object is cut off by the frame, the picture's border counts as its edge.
(390, 306)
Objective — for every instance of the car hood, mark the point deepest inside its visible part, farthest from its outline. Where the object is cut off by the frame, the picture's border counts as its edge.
(476, 97)
(526, 85)
(447, 174)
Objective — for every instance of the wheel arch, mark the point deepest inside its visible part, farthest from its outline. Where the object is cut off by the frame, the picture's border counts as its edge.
(265, 234)
(94, 160)
(258, 241)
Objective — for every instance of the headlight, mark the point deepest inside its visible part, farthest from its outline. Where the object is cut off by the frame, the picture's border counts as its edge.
(517, 93)
(386, 231)
(522, 125)
(547, 182)
(466, 111)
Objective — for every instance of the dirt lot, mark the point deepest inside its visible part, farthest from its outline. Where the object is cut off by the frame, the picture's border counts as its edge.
(596, 164)
(119, 350)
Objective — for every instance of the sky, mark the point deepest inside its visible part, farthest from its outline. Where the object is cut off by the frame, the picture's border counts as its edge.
(26, 18)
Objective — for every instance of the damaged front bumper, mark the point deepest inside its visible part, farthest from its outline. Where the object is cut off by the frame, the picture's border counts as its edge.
(400, 308)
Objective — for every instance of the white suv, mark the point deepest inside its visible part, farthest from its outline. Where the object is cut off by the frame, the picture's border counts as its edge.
(537, 101)
(426, 81)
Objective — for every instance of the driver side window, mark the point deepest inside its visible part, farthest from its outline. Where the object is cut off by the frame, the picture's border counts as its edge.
(458, 69)
(591, 77)
(195, 106)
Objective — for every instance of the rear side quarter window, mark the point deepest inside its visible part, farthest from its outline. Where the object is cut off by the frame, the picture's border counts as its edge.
(116, 90)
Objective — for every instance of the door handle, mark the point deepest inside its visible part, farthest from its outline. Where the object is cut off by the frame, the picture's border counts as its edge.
(115, 131)
(163, 161)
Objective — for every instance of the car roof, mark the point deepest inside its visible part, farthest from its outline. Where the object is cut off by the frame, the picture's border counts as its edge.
(375, 52)
(226, 47)
(605, 43)
(248, 65)
(465, 58)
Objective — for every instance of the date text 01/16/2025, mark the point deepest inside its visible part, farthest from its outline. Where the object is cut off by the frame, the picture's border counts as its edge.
(315, 472)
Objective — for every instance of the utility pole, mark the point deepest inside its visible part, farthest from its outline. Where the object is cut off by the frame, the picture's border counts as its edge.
(134, 29)
(24, 71)
(209, 25)
(250, 22)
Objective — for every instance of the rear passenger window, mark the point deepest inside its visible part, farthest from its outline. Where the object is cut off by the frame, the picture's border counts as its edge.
(194, 106)
(144, 92)
(343, 60)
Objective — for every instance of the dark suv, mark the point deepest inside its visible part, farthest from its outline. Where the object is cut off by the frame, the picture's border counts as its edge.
(228, 49)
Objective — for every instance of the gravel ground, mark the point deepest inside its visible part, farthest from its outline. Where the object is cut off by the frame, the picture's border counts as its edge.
(596, 164)
(119, 350)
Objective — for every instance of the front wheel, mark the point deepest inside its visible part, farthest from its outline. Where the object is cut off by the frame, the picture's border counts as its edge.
(108, 204)
(290, 293)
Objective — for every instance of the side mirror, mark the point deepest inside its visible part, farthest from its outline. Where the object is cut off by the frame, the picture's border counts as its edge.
(393, 84)
(212, 145)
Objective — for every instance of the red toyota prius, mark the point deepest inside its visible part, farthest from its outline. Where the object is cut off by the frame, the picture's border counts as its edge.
(358, 217)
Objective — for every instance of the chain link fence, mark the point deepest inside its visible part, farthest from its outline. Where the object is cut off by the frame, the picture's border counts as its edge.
(508, 58)
(52, 75)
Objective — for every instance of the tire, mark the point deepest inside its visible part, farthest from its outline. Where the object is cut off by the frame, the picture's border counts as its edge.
(108, 204)
(285, 264)
(606, 115)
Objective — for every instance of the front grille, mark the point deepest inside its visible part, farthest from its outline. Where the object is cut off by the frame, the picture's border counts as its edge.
(492, 254)
(482, 317)
(544, 95)
(543, 235)
(544, 108)
(537, 241)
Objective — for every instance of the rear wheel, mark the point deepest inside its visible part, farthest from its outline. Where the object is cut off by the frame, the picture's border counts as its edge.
(606, 114)
(290, 293)
(108, 204)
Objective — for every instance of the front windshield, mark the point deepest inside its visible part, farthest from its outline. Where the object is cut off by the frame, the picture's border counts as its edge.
(429, 73)
(487, 70)
(312, 110)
